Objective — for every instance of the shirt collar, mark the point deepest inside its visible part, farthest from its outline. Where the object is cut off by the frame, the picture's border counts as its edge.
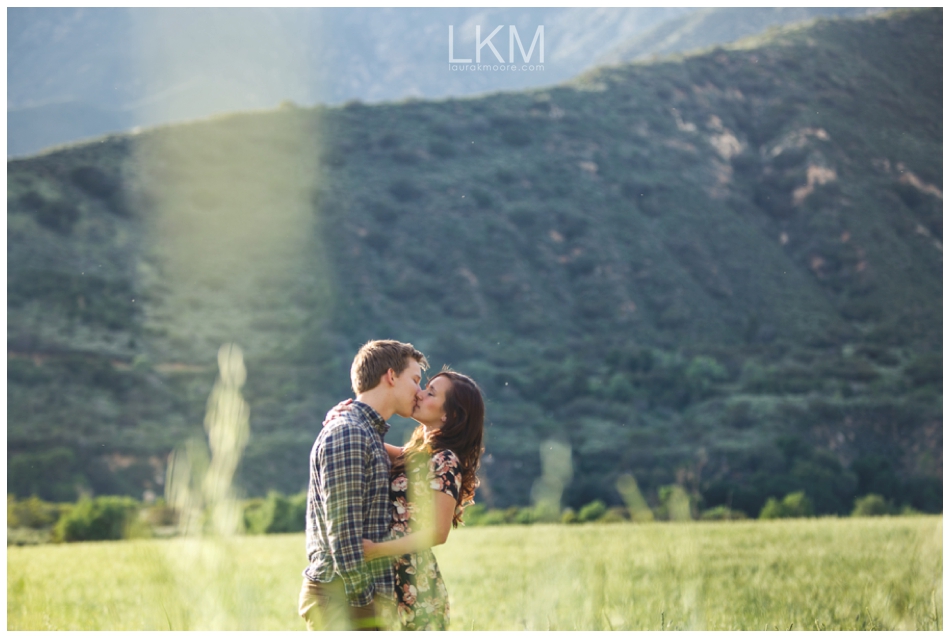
(379, 424)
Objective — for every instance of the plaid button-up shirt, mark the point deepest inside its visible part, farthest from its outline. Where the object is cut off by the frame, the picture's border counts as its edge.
(348, 500)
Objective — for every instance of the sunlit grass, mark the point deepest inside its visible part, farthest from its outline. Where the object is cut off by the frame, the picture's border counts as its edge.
(808, 574)
(840, 573)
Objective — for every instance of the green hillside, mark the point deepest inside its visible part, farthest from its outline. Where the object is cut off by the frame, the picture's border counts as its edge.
(723, 271)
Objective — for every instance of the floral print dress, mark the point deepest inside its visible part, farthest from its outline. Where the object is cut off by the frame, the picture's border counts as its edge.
(422, 602)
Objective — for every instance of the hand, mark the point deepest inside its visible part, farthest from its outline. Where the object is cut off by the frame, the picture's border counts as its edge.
(337, 410)
(369, 551)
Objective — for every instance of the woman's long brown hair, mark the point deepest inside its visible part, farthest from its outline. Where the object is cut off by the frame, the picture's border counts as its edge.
(462, 433)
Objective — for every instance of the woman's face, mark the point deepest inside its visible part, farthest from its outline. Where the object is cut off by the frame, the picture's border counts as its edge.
(430, 402)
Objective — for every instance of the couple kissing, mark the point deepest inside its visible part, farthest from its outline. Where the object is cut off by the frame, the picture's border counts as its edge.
(375, 510)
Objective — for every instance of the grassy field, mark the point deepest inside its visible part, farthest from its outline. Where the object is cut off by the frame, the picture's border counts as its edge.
(843, 574)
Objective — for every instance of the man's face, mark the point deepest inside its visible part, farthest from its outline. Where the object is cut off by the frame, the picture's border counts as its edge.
(406, 387)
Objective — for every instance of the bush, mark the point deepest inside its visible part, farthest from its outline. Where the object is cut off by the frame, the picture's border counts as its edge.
(478, 514)
(545, 513)
(31, 512)
(871, 505)
(276, 514)
(160, 514)
(795, 505)
(289, 513)
(512, 513)
(21, 536)
(525, 516)
(722, 513)
(702, 373)
(494, 517)
(615, 515)
(675, 504)
(569, 516)
(772, 509)
(258, 514)
(473, 514)
(591, 512)
(99, 519)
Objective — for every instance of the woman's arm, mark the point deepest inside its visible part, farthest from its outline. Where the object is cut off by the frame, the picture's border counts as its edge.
(393, 452)
(444, 510)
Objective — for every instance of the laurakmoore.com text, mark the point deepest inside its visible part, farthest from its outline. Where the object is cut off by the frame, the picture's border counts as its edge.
(496, 67)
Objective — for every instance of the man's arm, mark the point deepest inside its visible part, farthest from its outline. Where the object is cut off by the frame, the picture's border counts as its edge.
(342, 467)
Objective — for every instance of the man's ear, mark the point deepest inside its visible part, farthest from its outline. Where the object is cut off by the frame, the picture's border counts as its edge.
(391, 377)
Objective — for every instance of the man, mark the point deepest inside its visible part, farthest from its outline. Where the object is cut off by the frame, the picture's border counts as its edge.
(348, 497)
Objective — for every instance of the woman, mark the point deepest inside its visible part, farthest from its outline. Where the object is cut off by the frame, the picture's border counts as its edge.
(432, 479)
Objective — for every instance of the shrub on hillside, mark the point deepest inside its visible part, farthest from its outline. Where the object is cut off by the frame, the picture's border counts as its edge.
(21, 536)
(591, 512)
(474, 514)
(722, 513)
(525, 516)
(258, 514)
(794, 505)
(290, 514)
(276, 514)
(702, 374)
(614, 515)
(494, 517)
(675, 504)
(99, 519)
(871, 505)
(160, 514)
(477, 514)
(32, 512)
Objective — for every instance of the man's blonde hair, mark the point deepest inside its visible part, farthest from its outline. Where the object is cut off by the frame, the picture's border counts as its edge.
(375, 358)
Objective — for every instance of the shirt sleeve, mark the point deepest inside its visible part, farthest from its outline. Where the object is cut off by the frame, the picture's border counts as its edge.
(445, 475)
(342, 461)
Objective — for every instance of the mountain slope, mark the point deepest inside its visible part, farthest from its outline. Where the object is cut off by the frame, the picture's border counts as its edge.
(76, 73)
(705, 28)
(723, 271)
